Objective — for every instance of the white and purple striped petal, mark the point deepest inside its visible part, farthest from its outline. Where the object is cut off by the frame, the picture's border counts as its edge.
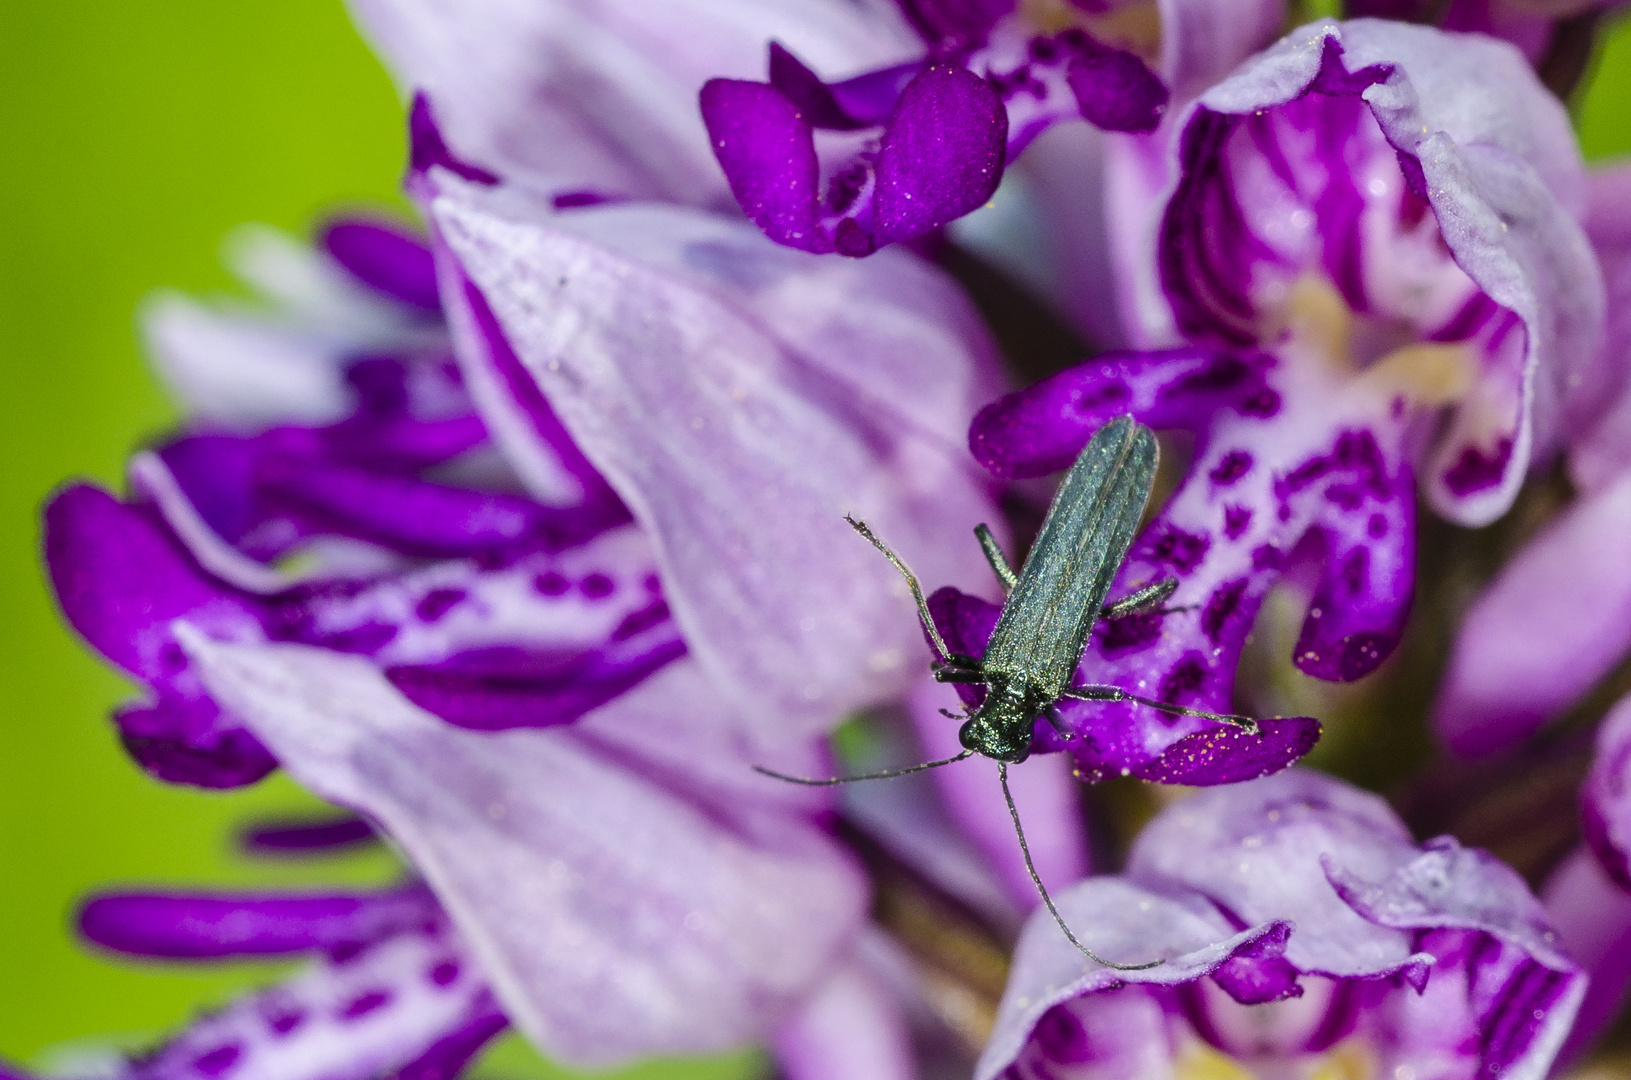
(742, 398)
(629, 884)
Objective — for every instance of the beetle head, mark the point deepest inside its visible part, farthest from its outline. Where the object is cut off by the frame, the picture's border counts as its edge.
(1001, 728)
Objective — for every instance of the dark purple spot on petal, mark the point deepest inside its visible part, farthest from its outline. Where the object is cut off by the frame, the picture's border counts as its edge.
(444, 973)
(638, 622)
(217, 1061)
(576, 200)
(282, 1023)
(551, 583)
(1187, 676)
(1476, 471)
(1235, 464)
(1267, 557)
(365, 1004)
(1355, 572)
(438, 602)
(597, 586)
(1376, 528)
(1130, 633)
(1236, 520)
(1262, 406)
(368, 638)
(1182, 550)
(1223, 603)
(345, 952)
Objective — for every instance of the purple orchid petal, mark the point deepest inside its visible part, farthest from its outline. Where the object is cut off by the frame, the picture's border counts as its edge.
(1503, 184)
(1603, 452)
(386, 259)
(299, 835)
(815, 102)
(1606, 797)
(447, 1057)
(1363, 918)
(427, 149)
(1255, 850)
(767, 150)
(954, 21)
(1116, 92)
(1044, 792)
(485, 701)
(1224, 754)
(851, 1027)
(548, 462)
(411, 516)
(622, 906)
(362, 1014)
(939, 157)
(1592, 914)
(1124, 922)
(171, 925)
(237, 369)
(941, 154)
(864, 367)
(191, 741)
(1041, 429)
(1518, 662)
(601, 96)
(121, 580)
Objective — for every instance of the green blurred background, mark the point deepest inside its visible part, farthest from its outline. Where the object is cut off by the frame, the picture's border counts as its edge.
(136, 135)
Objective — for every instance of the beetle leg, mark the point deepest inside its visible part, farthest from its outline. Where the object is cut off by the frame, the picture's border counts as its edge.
(1148, 597)
(994, 556)
(1116, 693)
(911, 580)
(958, 675)
(1058, 724)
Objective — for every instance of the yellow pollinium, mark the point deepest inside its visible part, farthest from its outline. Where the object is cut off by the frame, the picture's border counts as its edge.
(1424, 373)
(1347, 1061)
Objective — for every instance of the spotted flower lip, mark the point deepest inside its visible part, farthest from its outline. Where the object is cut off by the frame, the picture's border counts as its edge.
(926, 141)
(1297, 922)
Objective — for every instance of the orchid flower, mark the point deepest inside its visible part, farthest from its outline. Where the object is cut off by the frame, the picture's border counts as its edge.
(1303, 933)
(910, 147)
(1360, 304)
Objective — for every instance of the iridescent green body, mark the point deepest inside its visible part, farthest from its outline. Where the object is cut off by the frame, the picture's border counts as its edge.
(1059, 593)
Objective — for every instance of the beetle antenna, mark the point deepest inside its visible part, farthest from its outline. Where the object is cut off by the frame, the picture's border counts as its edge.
(1030, 867)
(883, 775)
(923, 614)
